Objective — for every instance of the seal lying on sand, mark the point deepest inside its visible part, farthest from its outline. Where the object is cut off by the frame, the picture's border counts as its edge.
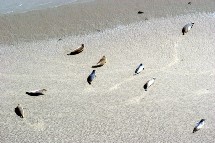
(36, 92)
(101, 62)
(19, 111)
(140, 12)
(139, 69)
(149, 83)
(77, 51)
(199, 125)
(91, 76)
(187, 27)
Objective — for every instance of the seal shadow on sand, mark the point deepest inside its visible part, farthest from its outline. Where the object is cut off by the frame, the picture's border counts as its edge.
(34, 94)
(97, 66)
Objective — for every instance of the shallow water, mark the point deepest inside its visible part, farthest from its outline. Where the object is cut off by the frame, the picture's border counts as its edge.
(13, 6)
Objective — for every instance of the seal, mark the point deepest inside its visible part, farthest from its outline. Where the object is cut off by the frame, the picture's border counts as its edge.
(199, 125)
(101, 62)
(139, 69)
(77, 51)
(187, 28)
(59, 39)
(19, 111)
(91, 76)
(140, 12)
(36, 92)
(149, 83)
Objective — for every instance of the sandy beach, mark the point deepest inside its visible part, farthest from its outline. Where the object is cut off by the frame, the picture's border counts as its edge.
(115, 108)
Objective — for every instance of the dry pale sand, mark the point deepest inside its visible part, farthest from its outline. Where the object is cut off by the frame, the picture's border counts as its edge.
(115, 108)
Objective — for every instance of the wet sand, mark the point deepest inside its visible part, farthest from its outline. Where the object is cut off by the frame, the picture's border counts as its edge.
(115, 108)
(86, 17)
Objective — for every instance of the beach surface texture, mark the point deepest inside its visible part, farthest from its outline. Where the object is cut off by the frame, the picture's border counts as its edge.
(115, 108)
